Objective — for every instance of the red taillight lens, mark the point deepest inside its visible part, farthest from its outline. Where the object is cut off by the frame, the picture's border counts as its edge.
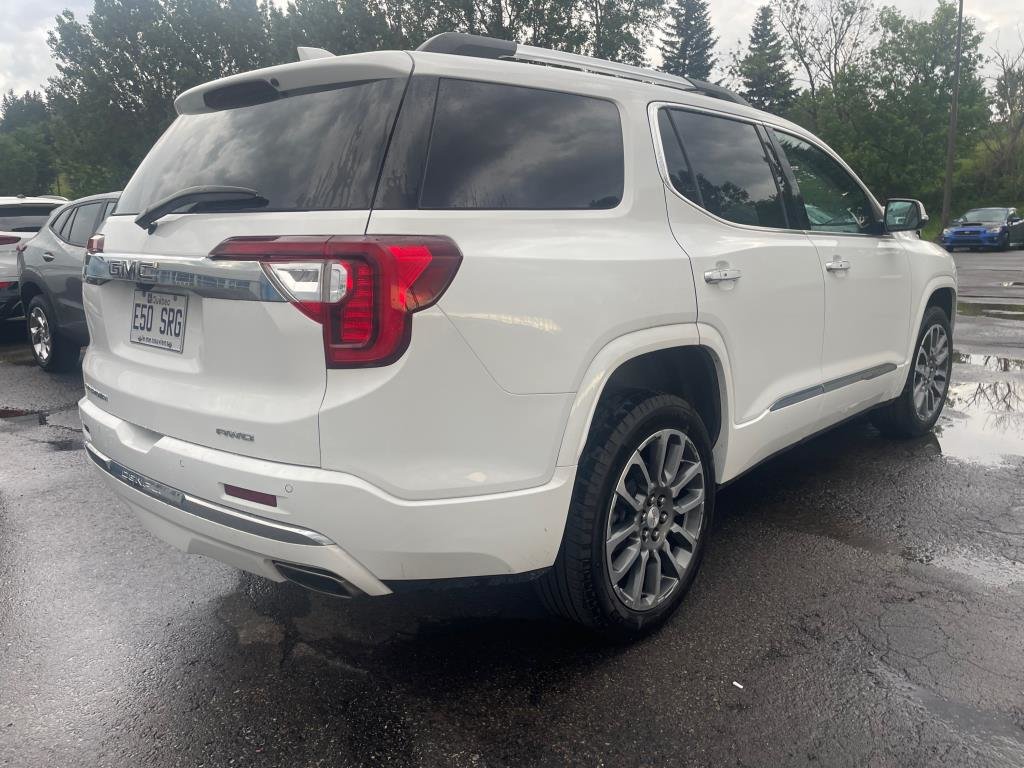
(9, 239)
(95, 244)
(362, 290)
(5, 284)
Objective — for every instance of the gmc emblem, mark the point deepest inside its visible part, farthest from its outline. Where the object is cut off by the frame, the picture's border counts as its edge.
(122, 269)
(236, 435)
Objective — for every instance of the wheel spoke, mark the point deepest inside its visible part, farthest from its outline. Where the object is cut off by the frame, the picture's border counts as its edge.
(685, 478)
(637, 503)
(622, 534)
(673, 463)
(624, 563)
(686, 534)
(690, 503)
(636, 578)
(652, 576)
(660, 451)
(636, 460)
(680, 568)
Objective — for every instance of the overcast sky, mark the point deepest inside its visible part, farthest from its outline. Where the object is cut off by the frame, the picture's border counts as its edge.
(25, 58)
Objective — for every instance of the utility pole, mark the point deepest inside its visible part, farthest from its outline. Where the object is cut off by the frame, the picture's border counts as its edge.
(947, 188)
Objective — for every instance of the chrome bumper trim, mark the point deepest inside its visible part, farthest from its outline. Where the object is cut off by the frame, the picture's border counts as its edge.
(214, 513)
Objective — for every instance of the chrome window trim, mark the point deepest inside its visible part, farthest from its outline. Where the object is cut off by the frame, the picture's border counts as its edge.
(207, 510)
(659, 152)
(238, 280)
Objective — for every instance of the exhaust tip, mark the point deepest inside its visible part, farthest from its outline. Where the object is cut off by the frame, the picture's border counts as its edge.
(316, 579)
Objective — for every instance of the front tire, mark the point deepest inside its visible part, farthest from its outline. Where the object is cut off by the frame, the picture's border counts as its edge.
(920, 404)
(52, 351)
(638, 520)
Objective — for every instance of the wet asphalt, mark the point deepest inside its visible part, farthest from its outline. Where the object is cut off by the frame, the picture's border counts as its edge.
(862, 603)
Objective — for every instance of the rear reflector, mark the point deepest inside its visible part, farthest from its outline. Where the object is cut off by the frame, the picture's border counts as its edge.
(362, 290)
(9, 240)
(244, 493)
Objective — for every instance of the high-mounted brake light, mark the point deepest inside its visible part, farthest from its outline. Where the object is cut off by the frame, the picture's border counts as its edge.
(9, 239)
(362, 290)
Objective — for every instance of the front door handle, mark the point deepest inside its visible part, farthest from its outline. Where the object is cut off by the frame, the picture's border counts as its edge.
(838, 265)
(722, 275)
(48, 256)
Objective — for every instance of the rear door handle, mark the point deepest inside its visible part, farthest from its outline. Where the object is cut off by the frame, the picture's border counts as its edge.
(837, 265)
(48, 256)
(722, 275)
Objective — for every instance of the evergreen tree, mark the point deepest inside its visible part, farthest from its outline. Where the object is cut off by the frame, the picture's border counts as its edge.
(688, 47)
(767, 83)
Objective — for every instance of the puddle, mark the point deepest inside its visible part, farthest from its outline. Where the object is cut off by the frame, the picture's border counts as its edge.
(995, 572)
(1004, 311)
(998, 730)
(983, 421)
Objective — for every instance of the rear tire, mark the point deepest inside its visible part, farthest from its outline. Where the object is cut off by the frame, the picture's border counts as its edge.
(920, 404)
(53, 352)
(631, 549)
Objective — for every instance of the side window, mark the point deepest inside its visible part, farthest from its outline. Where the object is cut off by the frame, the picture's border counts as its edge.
(84, 224)
(732, 174)
(498, 146)
(675, 159)
(58, 223)
(833, 200)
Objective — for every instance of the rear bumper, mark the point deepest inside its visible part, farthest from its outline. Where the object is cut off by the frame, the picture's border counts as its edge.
(325, 520)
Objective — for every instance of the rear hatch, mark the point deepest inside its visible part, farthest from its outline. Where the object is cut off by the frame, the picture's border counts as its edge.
(19, 222)
(211, 350)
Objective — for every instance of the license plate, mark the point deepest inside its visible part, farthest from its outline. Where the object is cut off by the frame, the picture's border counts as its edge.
(158, 320)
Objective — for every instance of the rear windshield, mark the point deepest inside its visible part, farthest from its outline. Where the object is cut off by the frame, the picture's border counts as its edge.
(317, 150)
(24, 218)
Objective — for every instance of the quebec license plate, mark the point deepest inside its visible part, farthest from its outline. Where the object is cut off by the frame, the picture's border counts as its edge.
(158, 320)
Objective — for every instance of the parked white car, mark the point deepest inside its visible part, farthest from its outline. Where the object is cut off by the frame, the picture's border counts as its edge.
(20, 218)
(367, 321)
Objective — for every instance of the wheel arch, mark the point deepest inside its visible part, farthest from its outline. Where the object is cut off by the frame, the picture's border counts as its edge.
(666, 359)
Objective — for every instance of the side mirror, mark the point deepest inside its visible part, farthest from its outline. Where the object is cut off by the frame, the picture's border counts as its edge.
(904, 215)
(1015, 219)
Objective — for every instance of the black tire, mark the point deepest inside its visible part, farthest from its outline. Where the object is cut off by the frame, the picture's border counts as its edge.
(63, 354)
(900, 417)
(578, 587)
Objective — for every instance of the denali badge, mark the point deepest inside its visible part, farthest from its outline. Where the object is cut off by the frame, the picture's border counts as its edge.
(122, 269)
(236, 435)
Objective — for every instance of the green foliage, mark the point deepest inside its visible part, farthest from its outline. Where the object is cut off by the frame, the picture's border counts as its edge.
(688, 45)
(27, 164)
(763, 71)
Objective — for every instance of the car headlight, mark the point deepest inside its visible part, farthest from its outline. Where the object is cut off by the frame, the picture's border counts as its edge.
(995, 230)
(947, 232)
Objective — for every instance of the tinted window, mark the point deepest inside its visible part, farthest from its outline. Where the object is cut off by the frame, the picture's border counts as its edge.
(504, 146)
(733, 175)
(833, 200)
(678, 166)
(311, 151)
(62, 218)
(84, 223)
(24, 218)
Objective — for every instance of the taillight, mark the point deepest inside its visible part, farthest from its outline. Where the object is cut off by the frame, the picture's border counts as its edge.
(95, 244)
(9, 239)
(5, 284)
(362, 290)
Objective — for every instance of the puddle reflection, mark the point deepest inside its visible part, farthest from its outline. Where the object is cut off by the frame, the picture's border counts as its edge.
(1004, 311)
(984, 420)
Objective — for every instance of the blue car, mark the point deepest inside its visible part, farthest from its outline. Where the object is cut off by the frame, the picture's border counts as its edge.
(995, 228)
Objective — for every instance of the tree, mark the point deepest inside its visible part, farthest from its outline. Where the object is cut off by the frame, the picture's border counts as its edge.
(766, 81)
(26, 148)
(688, 45)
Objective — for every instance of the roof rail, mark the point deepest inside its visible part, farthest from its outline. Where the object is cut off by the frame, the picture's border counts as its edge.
(461, 44)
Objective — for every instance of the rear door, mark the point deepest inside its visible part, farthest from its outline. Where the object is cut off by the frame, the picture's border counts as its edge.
(866, 275)
(757, 278)
(64, 260)
(209, 350)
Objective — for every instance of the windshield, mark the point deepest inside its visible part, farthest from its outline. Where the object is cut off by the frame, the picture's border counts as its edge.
(985, 215)
(24, 218)
(312, 151)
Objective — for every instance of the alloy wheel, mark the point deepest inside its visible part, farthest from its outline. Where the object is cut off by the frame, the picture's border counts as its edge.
(655, 520)
(931, 372)
(39, 334)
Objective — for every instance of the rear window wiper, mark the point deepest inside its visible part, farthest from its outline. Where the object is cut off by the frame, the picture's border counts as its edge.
(191, 195)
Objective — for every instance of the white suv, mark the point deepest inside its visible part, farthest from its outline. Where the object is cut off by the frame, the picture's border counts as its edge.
(367, 321)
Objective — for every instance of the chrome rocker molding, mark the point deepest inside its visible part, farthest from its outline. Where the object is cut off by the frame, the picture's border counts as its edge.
(214, 513)
(831, 386)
